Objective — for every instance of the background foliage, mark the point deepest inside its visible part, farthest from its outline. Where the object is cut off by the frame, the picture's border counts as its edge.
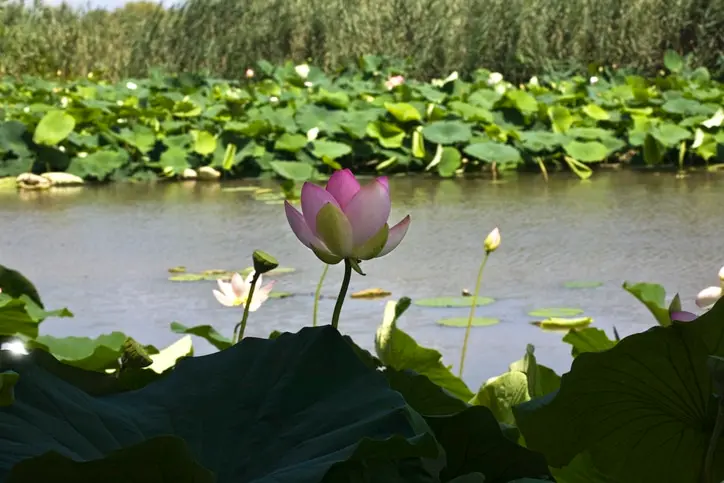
(223, 37)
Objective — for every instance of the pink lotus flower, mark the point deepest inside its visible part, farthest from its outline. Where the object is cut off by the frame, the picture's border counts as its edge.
(394, 81)
(236, 292)
(346, 220)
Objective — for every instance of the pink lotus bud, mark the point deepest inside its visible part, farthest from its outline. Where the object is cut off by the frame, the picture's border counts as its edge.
(394, 81)
(346, 220)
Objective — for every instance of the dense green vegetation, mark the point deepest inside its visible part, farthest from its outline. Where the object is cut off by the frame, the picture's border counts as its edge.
(300, 123)
(314, 407)
(519, 38)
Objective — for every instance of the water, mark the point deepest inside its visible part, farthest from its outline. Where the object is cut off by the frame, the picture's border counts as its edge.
(104, 253)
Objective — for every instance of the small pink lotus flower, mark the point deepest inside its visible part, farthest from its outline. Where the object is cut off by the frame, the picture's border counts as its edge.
(394, 81)
(682, 316)
(236, 292)
(346, 220)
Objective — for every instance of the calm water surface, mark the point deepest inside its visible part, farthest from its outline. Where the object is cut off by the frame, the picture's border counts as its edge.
(104, 253)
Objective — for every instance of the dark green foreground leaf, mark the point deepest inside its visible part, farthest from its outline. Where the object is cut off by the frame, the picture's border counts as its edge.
(262, 411)
(644, 409)
(164, 459)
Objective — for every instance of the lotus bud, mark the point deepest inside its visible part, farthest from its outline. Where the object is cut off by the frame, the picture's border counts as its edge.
(492, 241)
(263, 262)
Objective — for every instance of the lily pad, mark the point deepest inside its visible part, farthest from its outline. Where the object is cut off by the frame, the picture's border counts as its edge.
(280, 295)
(453, 302)
(582, 284)
(463, 321)
(179, 269)
(555, 312)
(187, 277)
(563, 323)
(371, 293)
(237, 189)
(290, 375)
(644, 409)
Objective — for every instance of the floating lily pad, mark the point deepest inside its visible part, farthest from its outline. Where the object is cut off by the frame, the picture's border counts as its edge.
(582, 284)
(276, 272)
(220, 274)
(563, 323)
(555, 312)
(179, 269)
(280, 295)
(371, 293)
(463, 321)
(187, 277)
(453, 302)
(239, 189)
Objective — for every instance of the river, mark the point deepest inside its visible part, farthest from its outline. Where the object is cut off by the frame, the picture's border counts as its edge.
(104, 253)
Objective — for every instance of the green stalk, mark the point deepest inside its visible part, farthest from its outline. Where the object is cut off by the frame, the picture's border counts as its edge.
(342, 292)
(241, 326)
(708, 474)
(472, 312)
(317, 294)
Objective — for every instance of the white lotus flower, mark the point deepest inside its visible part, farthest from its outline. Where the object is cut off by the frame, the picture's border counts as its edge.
(236, 292)
(709, 296)
(302, 70)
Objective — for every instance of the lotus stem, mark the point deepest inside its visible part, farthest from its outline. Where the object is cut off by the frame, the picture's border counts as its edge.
(472, 312)
(342, 292)
(317, 294)
(241, 326)
(708, 474)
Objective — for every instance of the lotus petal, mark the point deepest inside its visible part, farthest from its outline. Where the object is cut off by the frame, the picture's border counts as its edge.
(313, 199)
(397, 233)
(368, 211)
(299, 225)
(343, 186)
(335, 231)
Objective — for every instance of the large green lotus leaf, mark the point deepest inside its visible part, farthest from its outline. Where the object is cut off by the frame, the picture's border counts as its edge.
(400, 351)
(653, 296)
(490, 450)
(15, 284)
(282, 410)
(474, 442)
(22, 316)
(169, 456)
(643, 409)
(588, 340)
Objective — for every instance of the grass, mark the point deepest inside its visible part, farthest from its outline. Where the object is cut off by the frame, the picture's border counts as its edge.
(224, 37)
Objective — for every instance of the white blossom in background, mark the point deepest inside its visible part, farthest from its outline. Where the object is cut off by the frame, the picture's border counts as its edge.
(131, 85)
(312, 134)
(302, 70)
(593, 79)
(495, 78)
